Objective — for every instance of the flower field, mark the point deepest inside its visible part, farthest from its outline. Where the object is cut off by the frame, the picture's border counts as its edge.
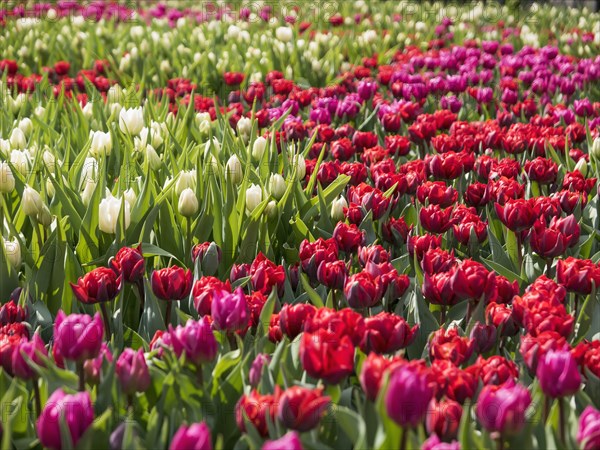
(366, 225)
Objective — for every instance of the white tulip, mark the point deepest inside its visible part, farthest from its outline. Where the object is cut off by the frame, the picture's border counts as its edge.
(49, 160)
(337, 208)
(101, 143)
(17, 139)
(88, 191)
(109, 212)
(203, 122)
(244, 127)
(31, 202)
(12, 250)
(50, 190)
(88, 111)
(26, 126)
(188, 203)
(130, 197)
(187, 179)
(39, 111)
(153, 159)
(253, 197)
(300, 164)
(595, 150)
(89, 171)
(258, 148)
(131, 121)
(277, 185)
(7, 179)
(233, 170)
(284, 34)
(215, 143)
(20, 161)
(582, 166)
(4, 146)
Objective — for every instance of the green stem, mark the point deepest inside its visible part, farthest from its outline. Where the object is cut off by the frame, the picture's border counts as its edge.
(106, 320)
(561, 420)
(36, 396)
(168, 314)
(141, 294)
(403, 438)
(546, 410)
(81, 374)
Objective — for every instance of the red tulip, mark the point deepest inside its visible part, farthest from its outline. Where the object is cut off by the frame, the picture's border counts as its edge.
(435, 219)
(301, 408)
(130, 263)
(578, 275)
(448, 345)
(293, 317)
(172, 283)
(256, 408)
(312, 254)
(443, 419)
(387, 333)
(363, 290)
(332, 274)
(265, 274)
(542, 170)
(452, 382)
(348, 237)
(204, 291)
(516, 215)
(496, 370)
(99, 285)
(327, 355)
(471, 280)
(11, 312)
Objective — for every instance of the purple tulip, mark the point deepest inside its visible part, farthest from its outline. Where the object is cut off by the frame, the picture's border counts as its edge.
(256, 368)
(192, 437)
(408, 396)
(76, 411)
(484, 337)
(34, 351)
(558, 373)
(196, 339)
(93, 367)
(501, 409)
(434, 443)
(78, 337)
(289, 441)
(132, 371)
(229, 311)
(588, 434)
(366, 89)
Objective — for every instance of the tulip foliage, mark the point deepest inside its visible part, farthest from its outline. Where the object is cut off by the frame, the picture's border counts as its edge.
(250, 227)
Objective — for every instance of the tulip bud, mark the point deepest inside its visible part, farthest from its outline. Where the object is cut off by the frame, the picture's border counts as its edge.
(88, 191)
(7, 179)
(337, 208)
(582, 166)
(196, 340)
(131, 121)
(271, 210)
(289, 441)
(255, 373)
(408, 396)
(188, 203)
(101, 143)
(233, 170)
(76, 411)
(39, 111)
(26, 126)
(300, 165)
(130, 197)
(588, 437)
(558, 373)
(78, 337)
(214, 143)
(253, 197)
(595, 150)
(12, 250)
(229, 311)
(210, 257)
(152, 157)
(277, 185)
(109, 212)
(20, 161)
(17, 139)
(244, 127)
(31, 202)
(501, 409)
(196, 437)
(33, 350)
(203, 122)
(258, 148)
(187, 179)
(284, 34)
(132, 371)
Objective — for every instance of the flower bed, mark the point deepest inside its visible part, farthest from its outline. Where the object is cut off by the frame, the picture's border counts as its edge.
(277, 227)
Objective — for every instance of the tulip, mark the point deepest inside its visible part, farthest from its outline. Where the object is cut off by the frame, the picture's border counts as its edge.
(337, 208)
(99, 285)
(332, 274)
(325, 355)
(277, 186)
(253, 198)
(210, 257)
(31, 202)
(171, 283)
(238, 271)
(129, 262)
(299, 164)
(496, 370)
(255, 408)
(7, 179)
(255, 373)
(204, 291)
(312, 254)
(78, 337)
(558, 374)
(301, 408)
(258, 148)
(233, 170)
(348, 237)
(292, 318)
(387, 333)
(75, 410)
(193, 437)
(483, 337)
(443, 419)
(501, 409)
(188, 203)
(12, 250)
(196, 340)
(265, 275)
(132, 371)
(34, 351)
(109, 212)
(101, 144)
(93, 367)
(595, 150)
(186, 179)
(289, 441)
(517, 215)
(588, 436)
(131, 121)
(577, 275)
(284, 34)
(449, 345)
(408, 395)
(433, 442)
(17, 139)
(11, 312)
(452, 382)
(229, 311)
(363, 290)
